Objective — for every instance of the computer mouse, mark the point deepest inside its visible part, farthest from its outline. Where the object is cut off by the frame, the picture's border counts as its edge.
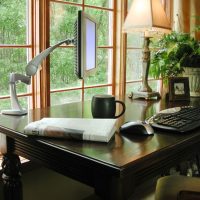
(136, 127)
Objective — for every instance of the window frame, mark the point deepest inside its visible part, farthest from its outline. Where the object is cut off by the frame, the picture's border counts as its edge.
(45, 74)
(28, 46)
(167, 4)
(39, 40)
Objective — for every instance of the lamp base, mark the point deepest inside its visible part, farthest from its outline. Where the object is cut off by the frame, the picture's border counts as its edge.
(144, 95)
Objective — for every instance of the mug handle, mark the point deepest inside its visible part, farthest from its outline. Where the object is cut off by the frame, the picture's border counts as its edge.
(123, 108)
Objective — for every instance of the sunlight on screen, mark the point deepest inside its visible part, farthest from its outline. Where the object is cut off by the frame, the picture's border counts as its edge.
(91, 45)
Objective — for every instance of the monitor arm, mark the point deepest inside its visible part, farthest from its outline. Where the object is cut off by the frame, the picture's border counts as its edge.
(31, 70)
(16, 108)
(33, 65)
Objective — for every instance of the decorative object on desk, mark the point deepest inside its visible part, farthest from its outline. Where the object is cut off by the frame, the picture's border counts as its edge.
(104, 106)
(146, 16)
(85, 58)
(178, 54)
(193, 74)
(179, 89)
(73, 128)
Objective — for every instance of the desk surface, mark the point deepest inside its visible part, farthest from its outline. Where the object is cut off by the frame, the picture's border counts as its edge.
(125, 159)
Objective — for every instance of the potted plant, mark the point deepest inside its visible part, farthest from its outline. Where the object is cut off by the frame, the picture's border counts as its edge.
(174, 55)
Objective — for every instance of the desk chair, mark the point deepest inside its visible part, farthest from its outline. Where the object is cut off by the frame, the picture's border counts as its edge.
(178, 188)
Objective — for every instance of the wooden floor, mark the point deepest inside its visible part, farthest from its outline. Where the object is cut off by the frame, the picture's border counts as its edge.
(23, 160)
(50, 185)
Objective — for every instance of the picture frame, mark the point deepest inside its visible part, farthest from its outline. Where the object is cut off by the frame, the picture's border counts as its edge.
(179, 89)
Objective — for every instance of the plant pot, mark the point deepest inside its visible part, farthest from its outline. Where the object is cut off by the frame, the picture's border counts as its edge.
(194, 80)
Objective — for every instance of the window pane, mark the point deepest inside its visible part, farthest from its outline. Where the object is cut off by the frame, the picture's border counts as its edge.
(6, 104)
(132, 87)
(129, 4)
(103, 74)
(13, 22)
(63, 17)
(62, 69)
(101, 3)
(11, 60)
(65, 97)
(104, 25)
(62, 21)
(23, 102)
(74, 1)
(135, 40)
(89, 93)
(134, 64)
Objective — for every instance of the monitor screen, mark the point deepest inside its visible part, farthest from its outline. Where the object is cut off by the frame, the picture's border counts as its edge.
(85, 45)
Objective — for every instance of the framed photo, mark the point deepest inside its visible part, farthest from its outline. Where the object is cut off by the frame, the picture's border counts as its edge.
(179, 89)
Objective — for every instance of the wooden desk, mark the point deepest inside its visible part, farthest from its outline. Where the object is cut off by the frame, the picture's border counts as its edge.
(113, 168)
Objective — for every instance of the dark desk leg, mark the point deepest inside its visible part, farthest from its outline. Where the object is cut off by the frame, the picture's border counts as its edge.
(12, 186)
(113, 188)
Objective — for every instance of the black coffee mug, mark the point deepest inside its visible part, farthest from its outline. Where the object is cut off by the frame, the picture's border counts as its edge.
(104, 106)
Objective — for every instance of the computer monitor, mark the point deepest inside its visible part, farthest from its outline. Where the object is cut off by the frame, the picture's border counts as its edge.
(85, 41)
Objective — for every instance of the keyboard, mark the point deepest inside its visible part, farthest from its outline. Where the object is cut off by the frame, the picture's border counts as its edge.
(178, 119)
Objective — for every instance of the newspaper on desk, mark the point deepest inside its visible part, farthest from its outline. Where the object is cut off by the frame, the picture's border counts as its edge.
(73, 128)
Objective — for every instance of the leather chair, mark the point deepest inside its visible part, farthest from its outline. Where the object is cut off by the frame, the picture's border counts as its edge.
(177, 187)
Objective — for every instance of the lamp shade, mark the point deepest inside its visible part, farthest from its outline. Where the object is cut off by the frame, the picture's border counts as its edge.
(146, 16)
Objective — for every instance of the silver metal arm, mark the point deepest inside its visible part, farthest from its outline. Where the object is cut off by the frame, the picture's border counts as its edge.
(33, 65)
(31, 70)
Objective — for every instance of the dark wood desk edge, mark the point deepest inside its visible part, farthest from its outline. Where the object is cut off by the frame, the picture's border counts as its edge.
(164, 159)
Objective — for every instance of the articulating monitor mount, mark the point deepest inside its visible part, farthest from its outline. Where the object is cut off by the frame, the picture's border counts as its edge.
(31, 69)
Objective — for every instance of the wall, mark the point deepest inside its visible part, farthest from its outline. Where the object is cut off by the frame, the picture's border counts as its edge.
(185, 13)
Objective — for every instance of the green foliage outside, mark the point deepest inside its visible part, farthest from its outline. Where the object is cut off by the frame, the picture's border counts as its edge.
(12, 22)
(13, 30)
(63, 18)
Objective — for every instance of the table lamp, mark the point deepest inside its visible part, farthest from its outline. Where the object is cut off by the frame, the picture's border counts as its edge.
(149, 17)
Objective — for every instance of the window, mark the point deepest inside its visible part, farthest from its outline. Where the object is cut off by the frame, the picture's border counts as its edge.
(64, 85)
(25, 33)
(134, 58)
(32, 26)
(14, 47)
